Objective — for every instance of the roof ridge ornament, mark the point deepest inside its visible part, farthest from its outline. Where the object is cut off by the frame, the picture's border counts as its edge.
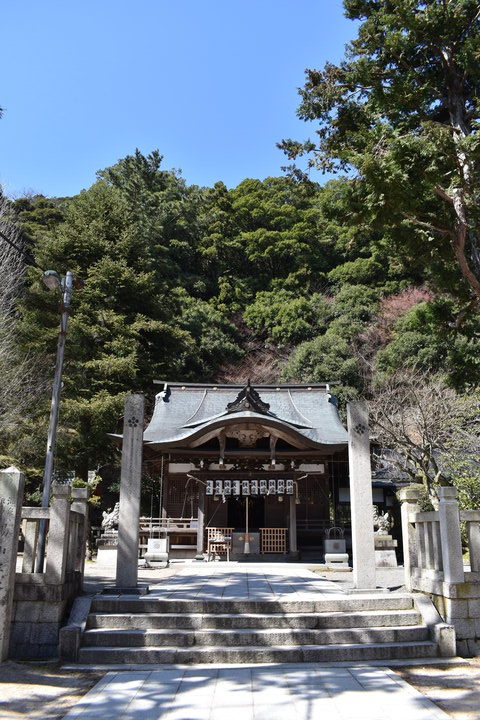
(248, 399)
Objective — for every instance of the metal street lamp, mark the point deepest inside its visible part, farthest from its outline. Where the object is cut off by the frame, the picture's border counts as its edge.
(67, 284)
(54, 282)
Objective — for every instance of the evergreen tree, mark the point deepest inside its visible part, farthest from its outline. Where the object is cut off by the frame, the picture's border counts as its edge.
(401, 114)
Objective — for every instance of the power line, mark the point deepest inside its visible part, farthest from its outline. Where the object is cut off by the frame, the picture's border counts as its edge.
(28, 258)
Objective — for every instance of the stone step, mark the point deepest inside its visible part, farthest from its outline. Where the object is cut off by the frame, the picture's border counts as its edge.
(196, 621)
(256, 654)
(338, 603)
(261, 638)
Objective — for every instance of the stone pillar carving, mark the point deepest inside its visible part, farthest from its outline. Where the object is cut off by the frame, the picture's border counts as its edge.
(449, 516)
(12, 484)
(131, 473)
(58, 534)
(201, 521)
(409, 499)
(361, 499)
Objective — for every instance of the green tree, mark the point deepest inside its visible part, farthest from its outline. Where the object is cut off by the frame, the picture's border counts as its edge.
(401, 114)
(132, 238)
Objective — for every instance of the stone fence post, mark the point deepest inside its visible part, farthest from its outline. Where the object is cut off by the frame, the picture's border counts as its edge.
(58, 534)
(409, 497)
(449, 515)
(12, 483)
(79, 504)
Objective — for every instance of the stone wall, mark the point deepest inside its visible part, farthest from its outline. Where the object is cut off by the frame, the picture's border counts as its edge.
(434, 562)
(42, 600)
(39, 610)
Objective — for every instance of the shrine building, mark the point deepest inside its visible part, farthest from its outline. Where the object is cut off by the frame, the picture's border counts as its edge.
(264, 466)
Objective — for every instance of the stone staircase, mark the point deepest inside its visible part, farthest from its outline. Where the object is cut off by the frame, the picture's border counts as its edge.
(149, 629)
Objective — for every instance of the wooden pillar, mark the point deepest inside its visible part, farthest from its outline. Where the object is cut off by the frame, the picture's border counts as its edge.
(293, 526)
(201, 521)
(165, 485)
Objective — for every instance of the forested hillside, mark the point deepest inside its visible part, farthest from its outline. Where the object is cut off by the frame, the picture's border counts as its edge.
(281, 279)
(273, 280)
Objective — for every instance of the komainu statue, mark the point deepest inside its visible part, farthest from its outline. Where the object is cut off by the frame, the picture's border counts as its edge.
(110, 517)
(382, 521)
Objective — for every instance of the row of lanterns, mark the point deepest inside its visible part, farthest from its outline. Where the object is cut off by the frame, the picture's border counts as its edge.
(271, 486)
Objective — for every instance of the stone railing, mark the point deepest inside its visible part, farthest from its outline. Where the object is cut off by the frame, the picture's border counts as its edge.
(41, 599)
(433, 559)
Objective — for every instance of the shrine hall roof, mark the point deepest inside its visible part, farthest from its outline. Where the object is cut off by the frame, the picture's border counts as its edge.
(184, 413)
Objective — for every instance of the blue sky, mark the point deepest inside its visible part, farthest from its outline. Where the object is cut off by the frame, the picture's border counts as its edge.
(211, 83)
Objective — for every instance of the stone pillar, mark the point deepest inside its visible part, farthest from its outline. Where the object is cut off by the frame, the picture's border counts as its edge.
(293, 526)
(473, 529)
(201, 521)
(131, 473)
(12, 483)
(361, 500)
(58, 534)
(30, 536)
(449, 515)
(409, 499)
(80, 497)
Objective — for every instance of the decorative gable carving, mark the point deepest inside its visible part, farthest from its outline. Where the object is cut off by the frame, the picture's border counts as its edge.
(248, 399)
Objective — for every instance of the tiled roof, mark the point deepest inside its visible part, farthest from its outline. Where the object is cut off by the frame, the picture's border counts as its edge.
(184, 413)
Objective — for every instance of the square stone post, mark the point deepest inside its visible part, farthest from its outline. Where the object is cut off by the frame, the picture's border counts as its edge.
(361, 499)
(12, 483)
(409, 499)
(449, 516)
(80, 497)
(131, 475)
(200, 521)
(58, 534)
(292, 535)
(30, 539)
(473, 529)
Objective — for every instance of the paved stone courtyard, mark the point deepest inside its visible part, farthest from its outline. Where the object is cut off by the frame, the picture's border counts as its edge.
(249, 581)
(242, 578)
(276, 692)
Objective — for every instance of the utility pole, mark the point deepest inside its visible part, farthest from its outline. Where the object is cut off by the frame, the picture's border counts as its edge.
(53, 281)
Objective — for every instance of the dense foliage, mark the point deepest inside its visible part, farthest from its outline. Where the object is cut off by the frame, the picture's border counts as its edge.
(347, 282)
